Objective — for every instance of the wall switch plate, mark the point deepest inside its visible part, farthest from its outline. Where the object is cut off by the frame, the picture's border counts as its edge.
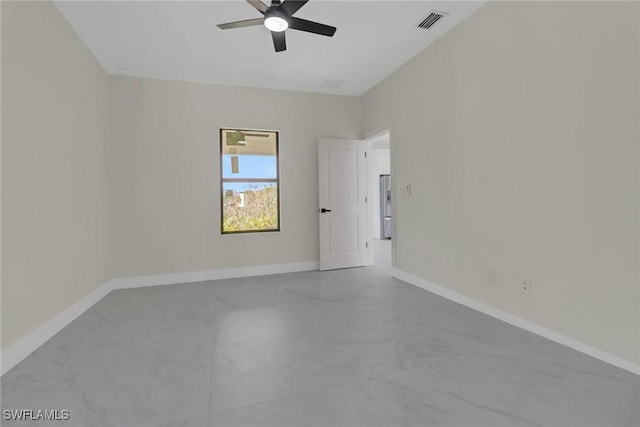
(526, 287)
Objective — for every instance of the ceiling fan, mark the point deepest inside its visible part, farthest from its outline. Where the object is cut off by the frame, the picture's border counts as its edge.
(278, 17)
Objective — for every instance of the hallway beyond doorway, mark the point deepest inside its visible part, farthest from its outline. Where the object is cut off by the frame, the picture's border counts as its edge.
(382, 253)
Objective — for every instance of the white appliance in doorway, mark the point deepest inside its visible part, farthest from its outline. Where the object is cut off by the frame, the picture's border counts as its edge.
(385, 207)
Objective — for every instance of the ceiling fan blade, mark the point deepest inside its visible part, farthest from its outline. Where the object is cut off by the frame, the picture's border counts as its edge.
(311, 27)
(279, 41)
(258, 5)
(240, 24)
(292, 6)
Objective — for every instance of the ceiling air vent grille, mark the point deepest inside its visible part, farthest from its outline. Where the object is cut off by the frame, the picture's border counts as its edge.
(430, 20)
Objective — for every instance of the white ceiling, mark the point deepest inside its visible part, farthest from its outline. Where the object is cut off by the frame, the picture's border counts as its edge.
(179, 40)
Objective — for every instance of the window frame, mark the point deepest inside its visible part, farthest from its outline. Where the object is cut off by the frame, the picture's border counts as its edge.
(248, 180)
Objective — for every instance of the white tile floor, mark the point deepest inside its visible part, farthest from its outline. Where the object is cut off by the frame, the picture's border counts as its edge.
(342, 348)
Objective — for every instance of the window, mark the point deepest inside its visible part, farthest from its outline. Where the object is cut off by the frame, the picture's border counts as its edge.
(249, 181)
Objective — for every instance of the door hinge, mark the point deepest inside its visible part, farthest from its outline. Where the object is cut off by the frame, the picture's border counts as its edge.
(365, 154)
(365, 200)
(367, 245)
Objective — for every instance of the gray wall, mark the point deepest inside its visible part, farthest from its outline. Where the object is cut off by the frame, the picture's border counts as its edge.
(165, 152)
(55, 238)
(518, 133)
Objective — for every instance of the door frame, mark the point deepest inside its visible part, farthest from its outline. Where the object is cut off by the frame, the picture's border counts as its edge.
(370, 195)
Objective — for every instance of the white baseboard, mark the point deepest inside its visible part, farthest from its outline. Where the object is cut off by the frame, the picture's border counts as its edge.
(26, 345)
(516, 321)
(199, 276)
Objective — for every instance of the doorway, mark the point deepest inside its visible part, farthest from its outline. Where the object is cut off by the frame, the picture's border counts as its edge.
(379, 212)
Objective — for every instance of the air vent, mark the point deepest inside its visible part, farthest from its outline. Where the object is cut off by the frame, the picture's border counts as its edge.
(431, 19)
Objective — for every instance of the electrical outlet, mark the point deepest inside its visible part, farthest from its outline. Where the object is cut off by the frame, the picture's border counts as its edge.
(526, 287)
(491, 277)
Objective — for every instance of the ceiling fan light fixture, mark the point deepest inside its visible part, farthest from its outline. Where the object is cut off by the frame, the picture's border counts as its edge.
(279, 17)
(275, 21)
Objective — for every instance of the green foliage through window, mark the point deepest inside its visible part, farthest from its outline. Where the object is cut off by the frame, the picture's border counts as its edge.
(249, 181)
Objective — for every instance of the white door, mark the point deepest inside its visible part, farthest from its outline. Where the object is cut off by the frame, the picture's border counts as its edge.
(343, 209)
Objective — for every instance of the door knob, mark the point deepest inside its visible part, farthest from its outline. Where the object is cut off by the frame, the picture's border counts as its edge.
(323, 210)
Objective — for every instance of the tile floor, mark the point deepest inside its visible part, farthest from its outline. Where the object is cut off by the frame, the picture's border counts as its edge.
(342, 348)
